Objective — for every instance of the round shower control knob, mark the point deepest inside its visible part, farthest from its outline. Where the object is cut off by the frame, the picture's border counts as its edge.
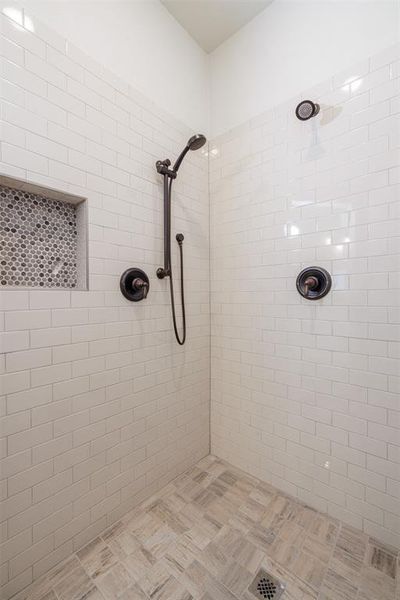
(313, 283)
(134, 284)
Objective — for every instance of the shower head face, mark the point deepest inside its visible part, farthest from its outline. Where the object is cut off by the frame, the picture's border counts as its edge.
(196, 141)
(306, 110)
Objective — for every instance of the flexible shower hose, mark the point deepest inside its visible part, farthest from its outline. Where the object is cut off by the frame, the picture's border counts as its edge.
(180, 340)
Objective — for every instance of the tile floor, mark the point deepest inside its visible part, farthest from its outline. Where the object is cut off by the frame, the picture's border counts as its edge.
(205, 536)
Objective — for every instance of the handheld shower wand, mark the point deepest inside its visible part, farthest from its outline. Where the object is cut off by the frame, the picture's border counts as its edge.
(163, 167)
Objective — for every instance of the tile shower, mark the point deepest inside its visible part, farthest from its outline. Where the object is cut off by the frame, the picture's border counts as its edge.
(305, 394)
(107, 487)
(102, 409)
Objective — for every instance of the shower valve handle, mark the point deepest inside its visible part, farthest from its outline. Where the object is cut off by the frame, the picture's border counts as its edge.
(139, 284)
(310, 283)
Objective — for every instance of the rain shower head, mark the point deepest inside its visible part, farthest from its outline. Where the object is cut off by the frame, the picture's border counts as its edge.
(194, 143)
(306, 109)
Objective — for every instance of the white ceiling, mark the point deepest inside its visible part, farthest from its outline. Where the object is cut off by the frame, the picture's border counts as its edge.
(211, 22)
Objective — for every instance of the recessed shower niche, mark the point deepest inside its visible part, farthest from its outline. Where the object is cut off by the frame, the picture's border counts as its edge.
(43, 237)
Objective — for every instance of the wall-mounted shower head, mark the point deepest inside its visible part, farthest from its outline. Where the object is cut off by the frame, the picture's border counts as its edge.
(194, 143)
(306, 109)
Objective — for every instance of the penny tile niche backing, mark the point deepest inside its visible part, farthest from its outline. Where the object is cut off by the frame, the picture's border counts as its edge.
(42, 238)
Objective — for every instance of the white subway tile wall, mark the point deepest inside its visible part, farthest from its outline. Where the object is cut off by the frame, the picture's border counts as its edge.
(101, 407)
(305, 395)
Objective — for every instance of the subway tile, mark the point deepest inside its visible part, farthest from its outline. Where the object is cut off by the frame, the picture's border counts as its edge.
(52, 374)
(27, 439)
(22, 37)
(15, 382)
(55, 336)
(10, 300)
(30, 477)
(49, 412)
(51, 448)
(22, 77)
(16, 504)
(40, 106)
(16, 463)
(12, 94)
(45, 71)
(24, 158)
(366, 477)
(69, 352)
(15, 545)
(23, 320)
(12, 52)
(13, 341)
(66, 173)
(28, 399)
(65, 136)
(28, 557)
(14, 423)
(44, 146)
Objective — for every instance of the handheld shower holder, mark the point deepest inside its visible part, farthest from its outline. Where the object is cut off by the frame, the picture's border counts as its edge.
(162, 167)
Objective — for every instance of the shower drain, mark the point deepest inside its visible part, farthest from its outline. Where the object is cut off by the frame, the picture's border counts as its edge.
(265, 585)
